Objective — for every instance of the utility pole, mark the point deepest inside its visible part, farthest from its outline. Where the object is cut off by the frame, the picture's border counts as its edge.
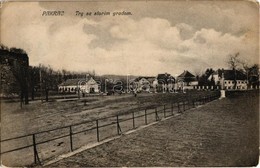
(41, 84)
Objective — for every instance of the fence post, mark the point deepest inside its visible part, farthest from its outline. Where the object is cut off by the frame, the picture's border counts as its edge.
(179, 110)
(35, 153)
(97, 130)
(145, 116)
(133, 119)
(164, 114)
(118, 126)
(183, 104)
(156, 115)
(193, 103)
(71, 143)
(172, 108)
(188, 104)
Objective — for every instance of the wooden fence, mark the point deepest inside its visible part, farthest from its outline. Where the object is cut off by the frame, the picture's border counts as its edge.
(113, 125)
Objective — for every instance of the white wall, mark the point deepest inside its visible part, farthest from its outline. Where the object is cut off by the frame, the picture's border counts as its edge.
(241, 84)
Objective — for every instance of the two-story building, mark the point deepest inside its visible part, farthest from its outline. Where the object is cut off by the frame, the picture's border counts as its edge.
(230, 79)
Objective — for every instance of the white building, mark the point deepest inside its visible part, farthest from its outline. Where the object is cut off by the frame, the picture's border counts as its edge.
(84, 85)
(230, 79)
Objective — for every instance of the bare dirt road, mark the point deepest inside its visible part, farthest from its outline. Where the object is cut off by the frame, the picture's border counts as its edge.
(220, 133)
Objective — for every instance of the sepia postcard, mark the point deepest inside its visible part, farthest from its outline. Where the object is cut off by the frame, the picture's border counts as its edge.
(144, 83)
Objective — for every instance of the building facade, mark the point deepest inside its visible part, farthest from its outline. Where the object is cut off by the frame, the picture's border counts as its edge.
(230, 79)
(165, 82)
(186, 80)
(84, 85)
(143, 83)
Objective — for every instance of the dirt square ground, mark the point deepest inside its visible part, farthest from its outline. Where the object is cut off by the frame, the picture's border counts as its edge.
(221, 133)
(37, 117)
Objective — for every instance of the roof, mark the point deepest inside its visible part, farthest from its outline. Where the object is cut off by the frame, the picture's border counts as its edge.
(149, 78)
(73, 82)
(165, 78)
(162, 76)
(232, 74)
(186, 74)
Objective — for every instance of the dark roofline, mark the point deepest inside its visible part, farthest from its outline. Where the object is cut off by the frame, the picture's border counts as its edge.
(71, 82)
(187, 74)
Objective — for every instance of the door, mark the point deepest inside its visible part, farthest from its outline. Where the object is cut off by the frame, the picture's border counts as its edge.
(92, 90)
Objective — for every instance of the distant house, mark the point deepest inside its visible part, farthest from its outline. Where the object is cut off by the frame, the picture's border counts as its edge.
(144, 83)
(84, 85)
(165, 82)
(187, 80)
(231, 79)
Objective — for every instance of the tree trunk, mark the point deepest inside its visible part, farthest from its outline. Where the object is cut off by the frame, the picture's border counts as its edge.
(47, 95)
(26, 96)
(21, 99)
(32, 93)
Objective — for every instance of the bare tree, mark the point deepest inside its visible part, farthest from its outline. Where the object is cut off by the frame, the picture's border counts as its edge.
(234, 62)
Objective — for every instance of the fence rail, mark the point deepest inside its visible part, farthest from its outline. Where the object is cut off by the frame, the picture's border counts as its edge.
(146, 114)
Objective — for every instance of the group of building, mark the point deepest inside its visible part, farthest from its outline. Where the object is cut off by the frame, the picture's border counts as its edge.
(165, 82)
(223, 79)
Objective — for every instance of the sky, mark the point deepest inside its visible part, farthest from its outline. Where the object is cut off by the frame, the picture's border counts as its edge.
(159, 36)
